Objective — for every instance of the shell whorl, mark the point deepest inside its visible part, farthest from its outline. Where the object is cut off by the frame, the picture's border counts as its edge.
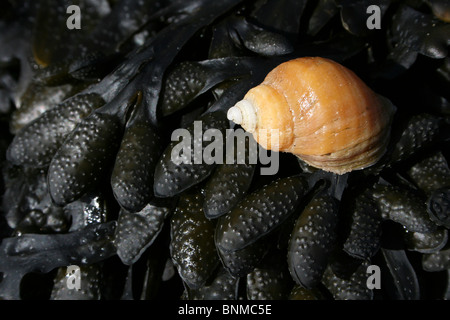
(243, 113)
(321, 111)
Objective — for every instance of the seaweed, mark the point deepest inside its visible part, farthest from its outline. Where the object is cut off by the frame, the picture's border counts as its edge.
(89, 121)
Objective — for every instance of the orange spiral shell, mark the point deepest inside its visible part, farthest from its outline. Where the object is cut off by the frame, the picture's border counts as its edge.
(323, 112)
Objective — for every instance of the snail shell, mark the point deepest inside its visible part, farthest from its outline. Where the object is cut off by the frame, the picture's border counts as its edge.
(321, 111)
